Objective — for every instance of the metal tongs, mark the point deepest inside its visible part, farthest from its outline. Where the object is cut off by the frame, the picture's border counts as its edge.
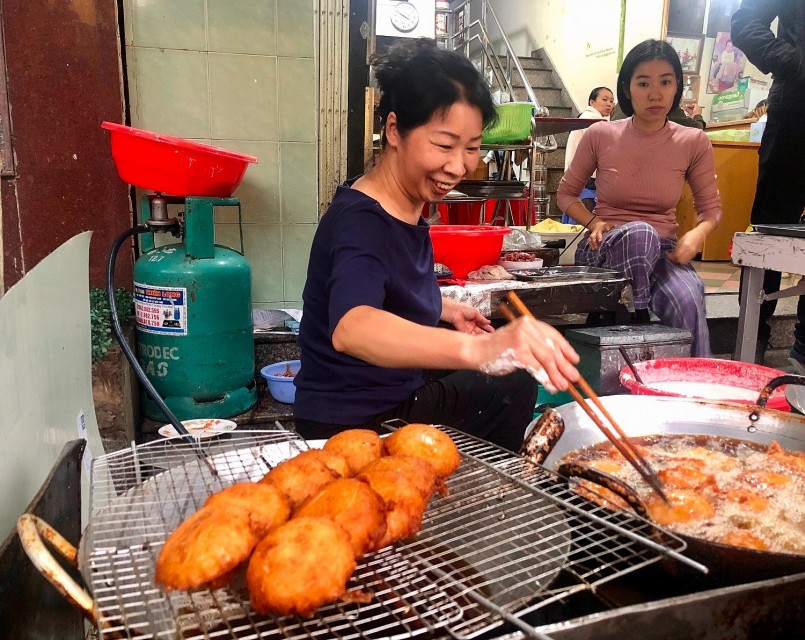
(615, 434)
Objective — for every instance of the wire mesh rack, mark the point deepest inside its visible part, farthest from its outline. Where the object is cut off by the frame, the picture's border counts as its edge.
(489, 552)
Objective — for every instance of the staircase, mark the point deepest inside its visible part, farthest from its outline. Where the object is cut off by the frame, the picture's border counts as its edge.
(550, 92)
(524, 79)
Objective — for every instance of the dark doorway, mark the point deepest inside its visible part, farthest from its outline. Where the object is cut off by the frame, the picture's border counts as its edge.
(358, 80)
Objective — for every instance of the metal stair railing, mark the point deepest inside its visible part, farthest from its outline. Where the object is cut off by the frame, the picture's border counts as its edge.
(538, 146)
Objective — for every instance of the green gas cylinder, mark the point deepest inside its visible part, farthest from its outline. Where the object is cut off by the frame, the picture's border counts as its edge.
(194, 320)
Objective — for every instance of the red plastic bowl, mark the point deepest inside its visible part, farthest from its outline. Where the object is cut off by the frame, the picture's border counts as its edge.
(464, 248)
(175, 166)
(744, 378)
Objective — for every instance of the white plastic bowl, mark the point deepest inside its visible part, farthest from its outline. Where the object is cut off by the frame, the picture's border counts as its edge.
(281, 386)
(511, 265)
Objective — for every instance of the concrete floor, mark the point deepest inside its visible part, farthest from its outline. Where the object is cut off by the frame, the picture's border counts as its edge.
(722, 316)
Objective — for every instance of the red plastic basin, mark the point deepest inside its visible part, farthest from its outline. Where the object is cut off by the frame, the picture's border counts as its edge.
(704, 378)
(175, 166)
(464, 248)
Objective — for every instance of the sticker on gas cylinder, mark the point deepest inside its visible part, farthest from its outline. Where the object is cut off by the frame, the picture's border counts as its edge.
(161, 310)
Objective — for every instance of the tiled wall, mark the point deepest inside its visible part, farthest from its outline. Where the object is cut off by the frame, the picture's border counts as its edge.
(240, 74)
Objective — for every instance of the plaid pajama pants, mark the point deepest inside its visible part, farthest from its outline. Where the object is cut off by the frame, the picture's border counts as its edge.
(673, 292)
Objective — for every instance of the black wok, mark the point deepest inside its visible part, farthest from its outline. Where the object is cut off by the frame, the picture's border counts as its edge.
(567, 428)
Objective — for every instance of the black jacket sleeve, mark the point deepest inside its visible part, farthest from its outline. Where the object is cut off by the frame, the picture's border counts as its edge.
(751, 33)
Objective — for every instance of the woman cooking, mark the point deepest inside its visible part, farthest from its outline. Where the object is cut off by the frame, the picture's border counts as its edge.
(371, 299)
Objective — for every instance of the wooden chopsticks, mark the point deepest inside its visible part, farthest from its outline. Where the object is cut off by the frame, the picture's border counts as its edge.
(618, 437)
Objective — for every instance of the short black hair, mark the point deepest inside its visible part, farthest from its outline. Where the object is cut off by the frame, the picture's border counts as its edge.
(644, 52)
(594, 94)
(416, 79)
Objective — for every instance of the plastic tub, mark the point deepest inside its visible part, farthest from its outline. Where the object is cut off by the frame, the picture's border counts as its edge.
(708, 378)
(281, 386)
(464, 248)
(175, 166)
(513, 123)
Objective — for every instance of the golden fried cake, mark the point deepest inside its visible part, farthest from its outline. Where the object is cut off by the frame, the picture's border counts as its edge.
(355, 506)
(358, 446)
(427, 442)
(266, 505)
(207, 545)
(418, 471)
(302, 476)
(405, 505)
(300, 566)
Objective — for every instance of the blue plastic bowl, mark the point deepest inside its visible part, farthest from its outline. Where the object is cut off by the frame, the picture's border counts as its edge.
(281, 387)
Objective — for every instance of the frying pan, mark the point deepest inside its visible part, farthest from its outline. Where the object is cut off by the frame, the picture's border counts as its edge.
(567, 428)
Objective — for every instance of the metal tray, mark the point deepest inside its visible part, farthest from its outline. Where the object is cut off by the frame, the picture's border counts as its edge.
(567, 274)
(493, 188)
(789, 230)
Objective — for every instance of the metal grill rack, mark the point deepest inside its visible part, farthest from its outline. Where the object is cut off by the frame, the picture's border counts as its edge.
(488, 552)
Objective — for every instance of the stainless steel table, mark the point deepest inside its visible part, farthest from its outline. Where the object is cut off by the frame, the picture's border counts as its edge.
(582, 295)
(755, 253)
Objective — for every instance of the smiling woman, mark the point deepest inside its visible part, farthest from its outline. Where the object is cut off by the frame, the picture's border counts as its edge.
(371, 299)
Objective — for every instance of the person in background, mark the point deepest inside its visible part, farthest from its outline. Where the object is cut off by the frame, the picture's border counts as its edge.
(779, 198)
(689, 115)
(599, 107)
(759, 112)
(371, 302)
(642, 163)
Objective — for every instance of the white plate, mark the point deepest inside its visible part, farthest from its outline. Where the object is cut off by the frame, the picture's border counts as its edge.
(200, 427)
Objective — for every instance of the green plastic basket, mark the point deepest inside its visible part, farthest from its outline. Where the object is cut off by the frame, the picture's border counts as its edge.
(513, 125)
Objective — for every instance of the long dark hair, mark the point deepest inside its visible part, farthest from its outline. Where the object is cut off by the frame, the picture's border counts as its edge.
(644, 52)
(417, 79)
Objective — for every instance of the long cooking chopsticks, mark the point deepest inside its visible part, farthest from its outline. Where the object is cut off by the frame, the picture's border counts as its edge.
(618, 438)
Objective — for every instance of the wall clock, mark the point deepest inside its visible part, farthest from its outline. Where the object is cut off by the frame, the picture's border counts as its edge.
(405, 17)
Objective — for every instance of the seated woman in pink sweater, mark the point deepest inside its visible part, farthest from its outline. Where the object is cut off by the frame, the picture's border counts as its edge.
(642, 163)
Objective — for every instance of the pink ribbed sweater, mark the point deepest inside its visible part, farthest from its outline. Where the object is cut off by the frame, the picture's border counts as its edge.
(641, 175)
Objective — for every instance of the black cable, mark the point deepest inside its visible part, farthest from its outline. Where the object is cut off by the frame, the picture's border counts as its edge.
(124, 345)
(570, 244)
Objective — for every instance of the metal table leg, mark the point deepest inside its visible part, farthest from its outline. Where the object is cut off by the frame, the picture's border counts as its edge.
(749, 314)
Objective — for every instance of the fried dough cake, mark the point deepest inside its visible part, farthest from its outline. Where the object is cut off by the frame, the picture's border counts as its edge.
(682, 506)
(267, 506)
(334, 460)
(206, 546)
(300, 566)
(358, 446)
(405, 505)
(418, 471)
(427, 442)
(355, 506)
(305, 474)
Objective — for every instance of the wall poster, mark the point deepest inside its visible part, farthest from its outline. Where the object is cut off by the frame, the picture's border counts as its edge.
(689, 50)
(726, 65)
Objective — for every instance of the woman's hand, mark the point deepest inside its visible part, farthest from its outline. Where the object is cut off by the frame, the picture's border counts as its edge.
(692, 109)
(597, 230)
(532, 345)
(688, 246)
(467, 319)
